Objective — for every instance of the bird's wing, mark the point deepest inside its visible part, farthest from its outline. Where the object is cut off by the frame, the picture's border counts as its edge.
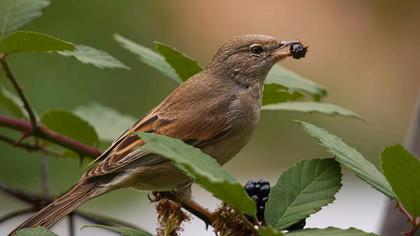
(196, 122)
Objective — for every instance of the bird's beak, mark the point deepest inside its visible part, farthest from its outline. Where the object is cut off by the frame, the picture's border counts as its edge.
(278, 54)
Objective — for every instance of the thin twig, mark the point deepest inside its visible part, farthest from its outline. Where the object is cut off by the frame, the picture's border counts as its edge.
(410, 219)
(104, 220)
(30, 147)
(29, 198)
(71, 224)
(38, 202)
(50, 135)
(15, 213)
(12, 142)
(404, 211)
(19, 90)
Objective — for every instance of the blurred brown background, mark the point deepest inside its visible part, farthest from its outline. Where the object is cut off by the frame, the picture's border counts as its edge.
(364, 52)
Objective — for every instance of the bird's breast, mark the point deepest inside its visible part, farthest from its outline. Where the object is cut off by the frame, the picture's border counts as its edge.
(244, 114)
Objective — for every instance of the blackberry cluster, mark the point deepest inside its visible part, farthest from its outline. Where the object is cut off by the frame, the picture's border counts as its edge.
(298, 50)
(259, 191)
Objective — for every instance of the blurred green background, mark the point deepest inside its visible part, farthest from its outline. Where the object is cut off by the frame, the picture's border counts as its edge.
(364, 52)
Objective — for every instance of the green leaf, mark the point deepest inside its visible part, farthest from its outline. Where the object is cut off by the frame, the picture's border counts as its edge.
(26, 41)
(202, 168)
(350, 158)
(402, 170)
(98, 58)
(101, 117)
(149, 57)
(330, 231)
(183, 65)
(301, 191)
(325, 108)
(16, 13)
(69, 124)
(268, 231)
(124, 231)
(10, 103)
(37, 231)
(274, 93)
(282, 76)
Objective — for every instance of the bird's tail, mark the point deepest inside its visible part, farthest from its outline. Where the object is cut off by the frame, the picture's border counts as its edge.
(73, 198)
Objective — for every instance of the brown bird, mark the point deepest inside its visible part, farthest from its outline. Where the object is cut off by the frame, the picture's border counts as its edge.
(216, 110)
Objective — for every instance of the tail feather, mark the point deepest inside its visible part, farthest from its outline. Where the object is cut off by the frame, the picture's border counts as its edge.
(49, 215)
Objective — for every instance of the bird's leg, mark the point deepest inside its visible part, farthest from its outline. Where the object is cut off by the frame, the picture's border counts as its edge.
(199, 211)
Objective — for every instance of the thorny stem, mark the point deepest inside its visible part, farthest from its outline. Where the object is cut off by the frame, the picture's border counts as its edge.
(19, 90)
(32, 118)
(50, 135)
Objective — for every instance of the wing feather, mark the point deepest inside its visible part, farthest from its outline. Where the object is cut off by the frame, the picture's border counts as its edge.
(196, 117)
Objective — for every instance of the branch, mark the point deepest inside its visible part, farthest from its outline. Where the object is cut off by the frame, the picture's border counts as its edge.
(38, 202)
(104, 220)
(71, 224)
(414, 222)
(30, 147)
(19, 90)
(50, 135)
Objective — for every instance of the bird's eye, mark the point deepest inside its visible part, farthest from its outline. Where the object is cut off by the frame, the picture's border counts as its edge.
(256, 49)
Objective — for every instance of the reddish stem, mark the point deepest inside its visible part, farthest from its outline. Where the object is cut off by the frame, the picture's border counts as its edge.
(414, 222)
(50, 135)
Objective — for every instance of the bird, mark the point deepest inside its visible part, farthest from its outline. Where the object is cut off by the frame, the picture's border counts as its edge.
(216, 110)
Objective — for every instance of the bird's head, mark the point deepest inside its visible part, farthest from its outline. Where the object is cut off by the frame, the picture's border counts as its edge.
(247, 59)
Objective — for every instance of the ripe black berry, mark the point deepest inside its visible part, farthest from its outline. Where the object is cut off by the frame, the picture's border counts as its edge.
(298, 50)
(297, 226)
(259, 192)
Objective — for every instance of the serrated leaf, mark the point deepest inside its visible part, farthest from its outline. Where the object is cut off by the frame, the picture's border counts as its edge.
(98, 58)
(330, 231)
(10, 103)
(27, 41)
(302, 190)
(324, 108)
(402, 170)
(108, 122)
(268, 231)
(183, 65)
(37, 231)
(202, 168)
(16, 13)
(149, 57)
(124, 231)
(69, 124)
(350, 158)
(284, 77)
(274, 93)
